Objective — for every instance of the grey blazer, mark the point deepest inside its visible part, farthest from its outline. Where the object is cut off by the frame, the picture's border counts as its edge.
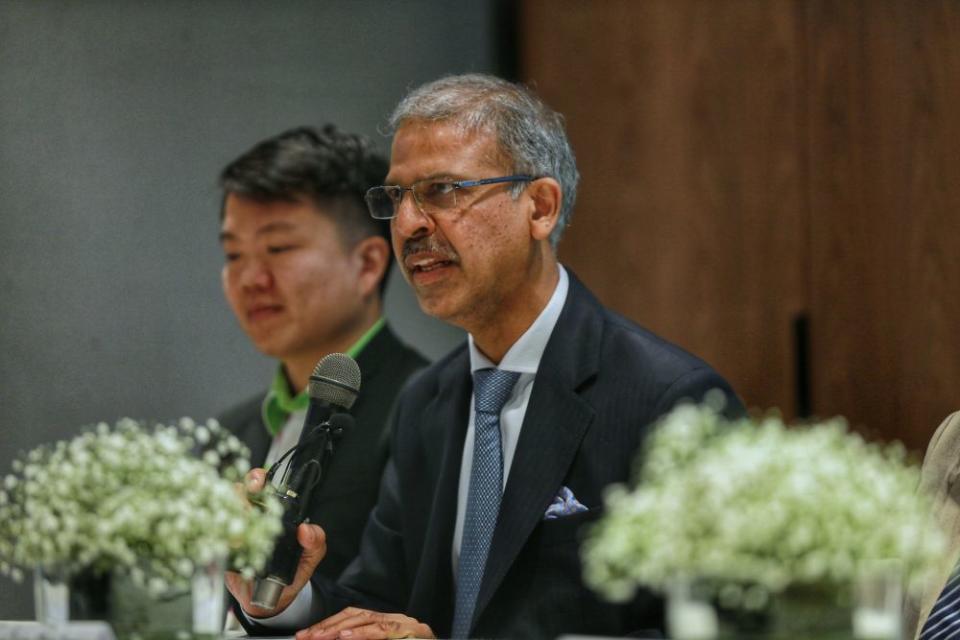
(939, 477)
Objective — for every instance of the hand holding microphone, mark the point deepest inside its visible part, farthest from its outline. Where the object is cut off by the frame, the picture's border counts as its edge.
(312, 539)
(333, 388)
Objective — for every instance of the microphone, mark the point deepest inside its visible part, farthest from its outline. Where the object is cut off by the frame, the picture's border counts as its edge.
(333, 388)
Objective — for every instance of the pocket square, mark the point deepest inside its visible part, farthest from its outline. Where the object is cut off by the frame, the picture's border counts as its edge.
(564, 504)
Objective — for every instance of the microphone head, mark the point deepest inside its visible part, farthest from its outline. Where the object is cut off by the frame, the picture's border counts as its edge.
(335, 380)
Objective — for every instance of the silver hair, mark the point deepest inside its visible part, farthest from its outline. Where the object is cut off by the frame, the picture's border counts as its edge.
(530, 134)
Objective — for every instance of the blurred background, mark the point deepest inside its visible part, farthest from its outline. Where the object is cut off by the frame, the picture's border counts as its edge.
(772, 184)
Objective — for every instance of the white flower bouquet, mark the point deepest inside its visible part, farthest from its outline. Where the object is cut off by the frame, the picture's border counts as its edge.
(154, 502)
(759, 504)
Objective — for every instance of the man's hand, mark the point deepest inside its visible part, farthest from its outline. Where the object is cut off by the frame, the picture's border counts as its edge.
(310, 536)
(362, 624)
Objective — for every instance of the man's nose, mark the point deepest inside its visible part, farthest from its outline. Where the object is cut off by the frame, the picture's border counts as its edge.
(410, 221)
(256, 275)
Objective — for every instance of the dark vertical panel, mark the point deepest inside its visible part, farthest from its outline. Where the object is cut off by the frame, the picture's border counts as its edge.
(505, 37)
(884, 192)
(684, 117)
(803, 373)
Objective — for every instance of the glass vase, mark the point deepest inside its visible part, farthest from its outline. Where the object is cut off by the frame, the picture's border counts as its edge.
(805, 612)
(878, 601)
(751, 613)
(870, 610)
(691, 614)
(132, 610)
(135, 612)
(51, 597)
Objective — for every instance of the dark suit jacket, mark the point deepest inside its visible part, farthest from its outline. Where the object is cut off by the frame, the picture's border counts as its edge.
(601, 382)
(349, 491)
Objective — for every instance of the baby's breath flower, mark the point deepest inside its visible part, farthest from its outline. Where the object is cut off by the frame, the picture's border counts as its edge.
(761, 504)
(133, 497)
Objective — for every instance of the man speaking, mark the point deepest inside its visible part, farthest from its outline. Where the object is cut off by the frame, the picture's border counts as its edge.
(502, 449)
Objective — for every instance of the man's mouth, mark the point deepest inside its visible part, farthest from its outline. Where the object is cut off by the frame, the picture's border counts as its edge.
(263, 311)
(422, 255)
(425, 264)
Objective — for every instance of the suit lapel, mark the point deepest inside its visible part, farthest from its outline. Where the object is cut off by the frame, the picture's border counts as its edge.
(445, 417)
(447, 423)
(556, 420)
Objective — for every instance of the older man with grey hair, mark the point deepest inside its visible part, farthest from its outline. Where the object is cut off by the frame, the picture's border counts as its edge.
(502, 449)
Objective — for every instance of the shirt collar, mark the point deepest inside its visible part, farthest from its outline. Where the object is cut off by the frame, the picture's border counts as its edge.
(279, 404)
(525, 354)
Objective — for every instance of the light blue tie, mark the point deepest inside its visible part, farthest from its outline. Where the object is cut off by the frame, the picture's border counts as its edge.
(944, 620)
(491, 388)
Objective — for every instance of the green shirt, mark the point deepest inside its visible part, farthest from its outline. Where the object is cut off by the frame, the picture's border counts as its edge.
(279, 404)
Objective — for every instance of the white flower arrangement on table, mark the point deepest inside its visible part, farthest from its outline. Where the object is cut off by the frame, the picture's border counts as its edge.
(156, 502)
(759, 504)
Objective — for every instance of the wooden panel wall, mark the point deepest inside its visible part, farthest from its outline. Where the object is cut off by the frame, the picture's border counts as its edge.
(883, 101)
(748, 162)
(684, 119)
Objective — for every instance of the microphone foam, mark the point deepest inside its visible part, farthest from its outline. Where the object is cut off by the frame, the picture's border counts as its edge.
(341, 422)
(335, 380)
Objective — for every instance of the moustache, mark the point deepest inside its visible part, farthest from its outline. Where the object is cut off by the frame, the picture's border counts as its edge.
(429, 244)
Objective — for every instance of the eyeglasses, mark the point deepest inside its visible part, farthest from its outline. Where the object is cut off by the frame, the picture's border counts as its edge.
(431, 196)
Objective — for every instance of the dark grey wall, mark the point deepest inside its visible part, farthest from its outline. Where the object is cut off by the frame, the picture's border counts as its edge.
(115, 118)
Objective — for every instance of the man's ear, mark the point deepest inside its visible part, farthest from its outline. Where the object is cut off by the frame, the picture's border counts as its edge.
(547, 197)
(372, 255)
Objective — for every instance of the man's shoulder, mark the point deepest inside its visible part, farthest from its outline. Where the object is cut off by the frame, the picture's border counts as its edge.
(630, 340)
(409, 358)
(621, 342)
(388, 353)
(942, 452)
(238, 417)
(632, 363)
(425, 383)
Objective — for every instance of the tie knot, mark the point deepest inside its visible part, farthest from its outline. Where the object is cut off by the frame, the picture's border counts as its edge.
(491, 388)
